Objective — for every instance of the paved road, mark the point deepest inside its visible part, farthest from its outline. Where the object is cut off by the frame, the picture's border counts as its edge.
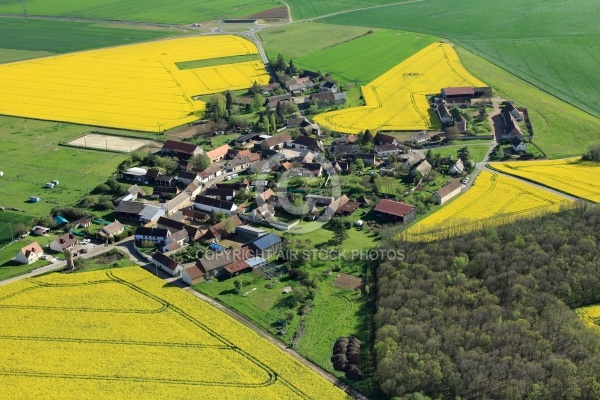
(126, 245)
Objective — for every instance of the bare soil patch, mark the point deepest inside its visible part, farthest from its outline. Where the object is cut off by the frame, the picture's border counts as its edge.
(350, 282)
(109, 142)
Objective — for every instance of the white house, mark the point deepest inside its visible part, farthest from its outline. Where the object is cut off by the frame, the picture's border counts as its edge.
(419, 137)
(442, 111)
(29, 254)
(518, 145)
(385, 150)
(167, 264)
(208, 204)
(154, 235)
(457, 168)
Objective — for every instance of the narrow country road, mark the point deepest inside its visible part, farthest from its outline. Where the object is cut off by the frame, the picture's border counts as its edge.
(126, 245)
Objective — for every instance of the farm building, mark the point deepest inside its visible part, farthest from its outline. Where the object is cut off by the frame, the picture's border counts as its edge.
(265, 246)
(167, 264)
(142, 212)
(187, 177)
(237, 267)
(395, 210)
(191, 274)
(39, 230)
(214, 265)
(276, 142)
(448, 192)
(382, 138)
(247, 232)
(64, 242)
(218, 154)
(136, 174)
(59, 220)
(243, 163)
(82, 222)
(208, 204)
(180, 149)
(29, 254)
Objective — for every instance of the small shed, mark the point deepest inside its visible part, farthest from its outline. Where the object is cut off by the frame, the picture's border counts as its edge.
(34, 199)
(60, 220)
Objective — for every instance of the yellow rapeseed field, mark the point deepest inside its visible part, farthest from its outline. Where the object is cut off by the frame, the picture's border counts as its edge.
(397, 99)
(132, 87)
(124, 334)
(492, 200)
(591, 315)
(572, 176)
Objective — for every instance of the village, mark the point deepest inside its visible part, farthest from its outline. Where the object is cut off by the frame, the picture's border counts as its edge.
(226, 211)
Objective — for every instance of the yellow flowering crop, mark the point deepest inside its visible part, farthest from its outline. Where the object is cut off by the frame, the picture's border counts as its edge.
(132, 87)
(492, 200)
(573, 176)
(397, 99)
(591, 315)
(123, 334)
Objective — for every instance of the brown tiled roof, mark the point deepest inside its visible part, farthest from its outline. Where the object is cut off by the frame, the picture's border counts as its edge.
(167, 261)
(218, 152)
(66, 240)
(395, 208)
(323, 96)
(459, 91)
(223, 259)
(275, 140)
(221, 227)
(193, 272)
(179, 147)
(237, 266)
(383, 138)
(31, 248)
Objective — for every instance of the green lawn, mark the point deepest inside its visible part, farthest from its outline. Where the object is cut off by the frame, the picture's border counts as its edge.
(9, 268)
(561, 130)
(31, 157)
(180, 12)
(478, 151)
(8, 218)
(538, 41)
(66, 36)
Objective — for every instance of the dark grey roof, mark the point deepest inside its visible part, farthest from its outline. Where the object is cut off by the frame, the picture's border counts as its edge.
(157, 232)
(165, 260)
(209, 201)
(264, 242)
(130, 207)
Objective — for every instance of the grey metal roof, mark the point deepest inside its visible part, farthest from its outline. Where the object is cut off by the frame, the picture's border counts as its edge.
(264, 242)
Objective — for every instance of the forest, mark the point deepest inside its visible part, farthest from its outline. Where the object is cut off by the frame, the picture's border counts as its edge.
(489, 315)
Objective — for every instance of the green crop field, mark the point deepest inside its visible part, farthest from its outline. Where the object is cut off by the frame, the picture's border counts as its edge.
(10, 55)
(538, 41)
(30, 156)
(55, 36)
(180, 12)
(371, 55)
(297, 40)
(303, 9)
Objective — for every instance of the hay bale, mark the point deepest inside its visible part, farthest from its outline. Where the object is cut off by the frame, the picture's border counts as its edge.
(354, 373)
(339, 362)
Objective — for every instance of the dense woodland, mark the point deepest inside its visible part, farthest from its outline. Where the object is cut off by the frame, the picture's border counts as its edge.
(489, 315)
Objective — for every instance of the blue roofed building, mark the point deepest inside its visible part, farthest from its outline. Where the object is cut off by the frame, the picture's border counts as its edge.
(59, 220)
(265, 246)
